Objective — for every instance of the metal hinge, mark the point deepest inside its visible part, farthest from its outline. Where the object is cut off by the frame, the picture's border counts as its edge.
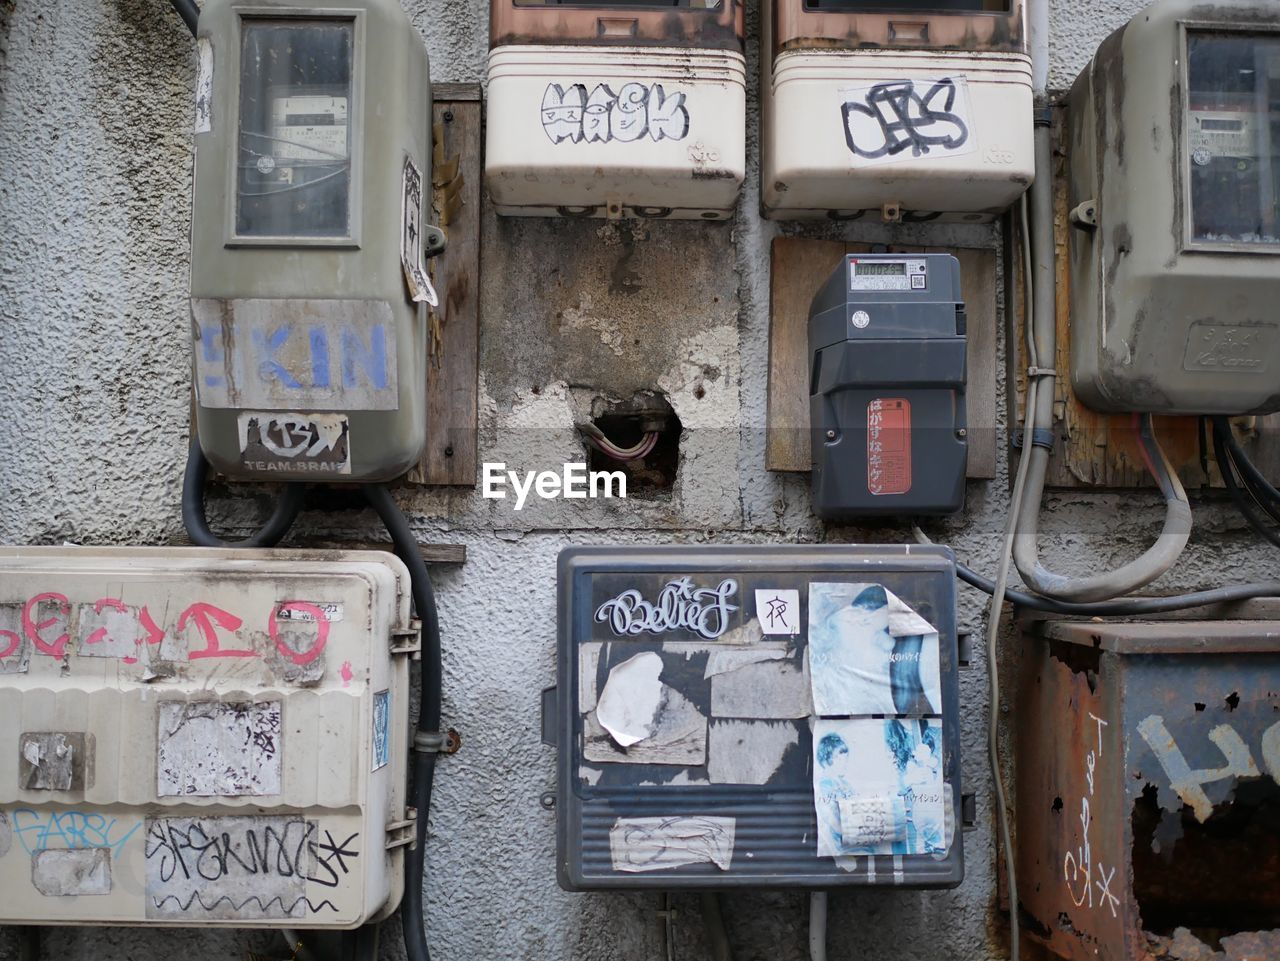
(401, 833)
(407, 640)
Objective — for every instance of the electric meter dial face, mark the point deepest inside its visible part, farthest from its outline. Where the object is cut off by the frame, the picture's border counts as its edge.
(309, 128)
(879, 274)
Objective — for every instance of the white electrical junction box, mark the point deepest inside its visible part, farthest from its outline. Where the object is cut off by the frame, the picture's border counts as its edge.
(196, 736)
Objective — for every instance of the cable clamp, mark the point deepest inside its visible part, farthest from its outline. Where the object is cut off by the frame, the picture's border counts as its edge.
(437, 742)
(1041, 372)
(1040, 437)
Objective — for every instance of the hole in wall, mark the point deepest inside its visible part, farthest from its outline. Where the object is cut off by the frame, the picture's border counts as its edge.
(625, 425)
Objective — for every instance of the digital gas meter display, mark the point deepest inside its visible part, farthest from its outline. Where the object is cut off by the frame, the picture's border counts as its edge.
(294, 159)
(1233, 137)
(887, 274)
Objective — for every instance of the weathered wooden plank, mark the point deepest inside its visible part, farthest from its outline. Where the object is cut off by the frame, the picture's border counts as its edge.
(453, 341)
(799, 268)
(431, 553)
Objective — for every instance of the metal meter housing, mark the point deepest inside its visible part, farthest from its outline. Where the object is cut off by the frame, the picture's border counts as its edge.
(311, 196)
(887, 353)
(1174, 170)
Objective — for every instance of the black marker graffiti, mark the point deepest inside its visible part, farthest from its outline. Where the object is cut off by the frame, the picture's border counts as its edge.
(329, 853)
(238, 907)
(895, 116)
(568, 113)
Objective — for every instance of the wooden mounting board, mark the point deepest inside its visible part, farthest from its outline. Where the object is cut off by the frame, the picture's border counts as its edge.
(799, 267)
(453, 338)
(1100, 450)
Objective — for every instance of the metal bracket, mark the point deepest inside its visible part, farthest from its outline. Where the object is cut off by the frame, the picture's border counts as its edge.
(968, 812)
(1040, 437)
(964, 647)
(402, 833)
(437, 742)
(434, 240)
(407, 640)
(1084, 215)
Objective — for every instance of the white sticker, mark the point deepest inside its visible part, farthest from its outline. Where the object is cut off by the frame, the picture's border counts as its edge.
(662, 843)
(15, 646)
(908, 119)
(204, 85)
(778, 611)
(330, 611)
(381, 729)
(415, 272)
(748, 752)
(291, 441)
(869, 821)
(71, 872)
(218, 749)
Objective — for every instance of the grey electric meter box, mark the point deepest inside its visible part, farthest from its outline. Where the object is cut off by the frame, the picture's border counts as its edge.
(308, 289)
(1174, 159)
(737, 716)
(887, 387)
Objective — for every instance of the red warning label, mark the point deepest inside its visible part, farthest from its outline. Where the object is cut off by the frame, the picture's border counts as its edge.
(889, 445)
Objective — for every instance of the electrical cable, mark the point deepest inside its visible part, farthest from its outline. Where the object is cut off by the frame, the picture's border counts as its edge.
(428, 741)
(197, 524)
(596, 438)
(818, 926)
(713, 925)
(1227, 467)
(1252, 476)
(189, 11)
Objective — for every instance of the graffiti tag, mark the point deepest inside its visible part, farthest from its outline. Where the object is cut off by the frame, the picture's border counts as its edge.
(680, 606)
(570, 113)
(66, 830)
(907, 118)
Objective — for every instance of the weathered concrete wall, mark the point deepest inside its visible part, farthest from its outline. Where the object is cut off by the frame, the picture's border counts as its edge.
(95, 112)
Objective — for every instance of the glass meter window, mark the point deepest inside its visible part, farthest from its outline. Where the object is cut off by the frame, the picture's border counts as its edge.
(293, 174)
(626, 4)
(1233, 137)
(910, 6)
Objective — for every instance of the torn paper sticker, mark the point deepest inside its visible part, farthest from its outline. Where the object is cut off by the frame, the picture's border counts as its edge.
(778, 611)
(588, 666)
(763, 689)
(415, 273)
(724, 660)
(71, 872)
(629, 703)
(878, 787)
(662, 843)
(870, 653)
(679, 736)
(204, 86)
(748, 752)
(15, 648)
(218, 749)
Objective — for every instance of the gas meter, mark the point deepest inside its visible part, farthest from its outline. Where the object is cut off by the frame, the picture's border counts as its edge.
(308, 289)
(887, 386)
(912, 109)
(610, 109)
(1175, 197)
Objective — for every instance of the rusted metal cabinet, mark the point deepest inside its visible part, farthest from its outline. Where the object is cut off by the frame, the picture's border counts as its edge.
(611, 109)
(1146, 793)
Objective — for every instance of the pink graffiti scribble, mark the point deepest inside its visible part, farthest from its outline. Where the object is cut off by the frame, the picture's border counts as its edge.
(347, 675)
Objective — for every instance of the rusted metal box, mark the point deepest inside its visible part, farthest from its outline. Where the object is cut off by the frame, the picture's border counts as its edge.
(1148, 812)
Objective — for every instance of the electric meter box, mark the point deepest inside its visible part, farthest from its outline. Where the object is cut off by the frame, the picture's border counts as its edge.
(312, 185)
(1174, 155)
(904, 110)
(887, 387)
(609, 109)
(203, 737)
(749, 716)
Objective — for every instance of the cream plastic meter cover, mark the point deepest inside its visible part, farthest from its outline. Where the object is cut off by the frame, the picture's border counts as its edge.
(198, 736)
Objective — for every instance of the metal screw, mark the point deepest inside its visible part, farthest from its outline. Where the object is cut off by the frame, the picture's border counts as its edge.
(448, 116)
(448, 451)
(831, 435)
(548, 800)
(962, 432)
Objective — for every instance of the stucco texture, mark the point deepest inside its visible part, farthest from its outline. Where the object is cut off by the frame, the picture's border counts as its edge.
(95, 167)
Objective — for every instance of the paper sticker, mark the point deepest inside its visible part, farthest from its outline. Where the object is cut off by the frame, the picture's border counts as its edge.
(233, 868)
(204, 85)
(889, 445)
(108, 628)
(588, 664)
(748, 752)
(629, 703)
(901, 120)
(415, 272)
(662, 843)
(869, 653)
(219, 749)
(330, 611)
(381, 729)
(763, 689)
(881, 779)
(15, 648)
(317, 443)
(71, 872)
(778, 611)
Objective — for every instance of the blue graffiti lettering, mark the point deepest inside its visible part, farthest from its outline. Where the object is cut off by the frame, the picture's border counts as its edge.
(267, 346)
(211, 348)
(42, 830)
(319, 357)
(372, 359)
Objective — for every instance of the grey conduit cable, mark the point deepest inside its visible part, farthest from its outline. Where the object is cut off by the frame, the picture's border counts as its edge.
(713, 925)
(1168, 547)
(197, 525)
(818, 926)
(189, 11)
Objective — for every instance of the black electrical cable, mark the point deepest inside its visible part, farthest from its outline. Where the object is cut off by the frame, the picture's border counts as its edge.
(189, 11)
(197, 525)
(1258, 487)
(428, 741)
(1125, 606)
(1227, 467)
